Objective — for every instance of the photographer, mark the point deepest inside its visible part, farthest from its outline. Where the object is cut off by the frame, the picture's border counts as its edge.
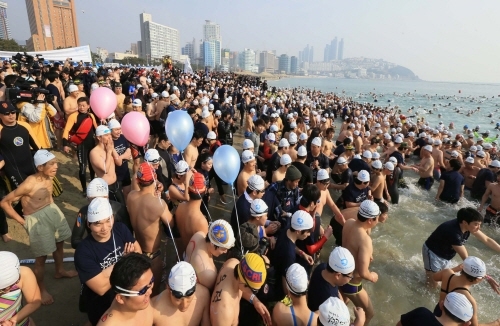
(54, 87)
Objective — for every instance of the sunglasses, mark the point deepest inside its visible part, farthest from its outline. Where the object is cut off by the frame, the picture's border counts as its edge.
(130, 293)
(9, 113)
(180, 295)
(157, 160)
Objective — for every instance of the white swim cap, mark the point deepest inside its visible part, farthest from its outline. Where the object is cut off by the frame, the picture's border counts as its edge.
(474, 267)
(301, 220)
(42, 156)
(283, 143)
(459, 306)
(469, 159)
(221, 234)
(316, 141)
(389, 166)
(377, 164)
(296, 279)
(292, 138)
(181, 167)
(113, 123)
(152, 156)
(302, 151)
(334, 312)
(255, 182)
(247, 143)
(97, 188)
(341, 260)
(367, 154)
(102, 130)
(363, 176)
(258, 207)
(285, 159)
(211, 135)
(99, 209)
(247, 156)
(369, 209)
(322, 175)
(182, 277)
(10, 271)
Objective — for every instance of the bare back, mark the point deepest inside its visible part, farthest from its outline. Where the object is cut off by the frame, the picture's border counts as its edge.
(203, 264)
(225, 301)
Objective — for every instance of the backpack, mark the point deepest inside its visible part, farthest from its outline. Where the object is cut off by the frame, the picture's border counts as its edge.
(79, 135)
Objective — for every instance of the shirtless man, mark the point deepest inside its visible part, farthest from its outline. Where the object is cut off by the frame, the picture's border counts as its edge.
(469, 171)
(147, 212)
(45, 223)
(323, 183)
(426, 168)
(249, 164)
(377, 181)
(359, 243)
(493, 210)
(183, 302)
(249, 126)
(188, 216)
(203, 247)
(191, 152)
(392, 147)
(236, 280)
(103, 154)
(437, 155)
(120, 98)
(285, 162)
(132, 280)
(70, 103)
(328, 146)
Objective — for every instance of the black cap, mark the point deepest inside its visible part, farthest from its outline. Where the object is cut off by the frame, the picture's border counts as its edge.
(6, 107)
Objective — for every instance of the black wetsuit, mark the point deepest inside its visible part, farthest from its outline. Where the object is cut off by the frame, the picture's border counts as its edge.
(392, 185)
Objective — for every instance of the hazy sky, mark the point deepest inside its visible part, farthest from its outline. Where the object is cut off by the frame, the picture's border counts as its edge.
(446, 40)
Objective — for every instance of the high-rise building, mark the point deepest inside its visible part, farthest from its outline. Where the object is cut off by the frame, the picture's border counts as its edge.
(211, 31)
(333, 50)
(52, 24)
(188, 50)
(266, 62)
(233, 60)
(225, 55)
(294, 65)
(4, 22)
(212, 43)
(284, 64)
(134, 48)
(247, 60)
(311, 54)
(341, 49)
(158, 40)
(305, 54)
(326, 53)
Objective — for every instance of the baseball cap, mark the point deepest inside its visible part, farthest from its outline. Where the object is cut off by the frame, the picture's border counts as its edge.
(221, 234)
(247, 143)
(146, 173)
(6, 107)
(113, 123)
(98, 210)
(72, 88)
(470, 160)
(474, 267)
(303, 136)
(302, 220)
(137, 102)
(367, 154)
(283, 143)
(377, 164)
(258, 207)
(428, 148)
(296, 279)
(152, 156)
(255, 182)
(181, 167)
(302, 151)
(97, 188)
(369, 209)
(459, 306)
(102, 130)
(292, 138)
(211, 135)
(252, 270)
(341, 160)
(316, 141)
(247, 156)
(334, 312)
(322, 175)
(285, 159)
(182, 277)
(42, 156)
(363, 176)
(10, 271)
(341, 260)
(389, 166)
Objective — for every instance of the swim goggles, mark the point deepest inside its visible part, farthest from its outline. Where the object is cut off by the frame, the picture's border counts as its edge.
(130, 293)
(180, 295)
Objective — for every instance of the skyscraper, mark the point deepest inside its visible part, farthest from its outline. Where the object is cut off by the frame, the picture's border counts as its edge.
(326, 53)
(284, 64)
(212, 43)
(341, 49)
(4, 22)
(311, 54)
(333, 49)
(188, 50)
(305, 54)
(157, 40)
(52, 24)
(293, 65)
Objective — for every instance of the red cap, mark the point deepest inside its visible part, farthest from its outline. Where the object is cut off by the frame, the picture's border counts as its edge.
(197, 183)
(458, 136)
(146, 173)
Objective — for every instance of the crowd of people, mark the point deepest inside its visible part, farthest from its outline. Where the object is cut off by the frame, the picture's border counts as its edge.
(295, 161)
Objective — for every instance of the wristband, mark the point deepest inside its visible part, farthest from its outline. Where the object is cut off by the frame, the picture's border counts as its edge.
(251, 298)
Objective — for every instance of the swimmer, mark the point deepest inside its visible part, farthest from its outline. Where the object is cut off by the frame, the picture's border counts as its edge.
(426, 168)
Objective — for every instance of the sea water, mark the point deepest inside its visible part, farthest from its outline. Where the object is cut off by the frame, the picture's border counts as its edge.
(398, 242)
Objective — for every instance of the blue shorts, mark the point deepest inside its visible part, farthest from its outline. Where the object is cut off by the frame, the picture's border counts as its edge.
(432, 262)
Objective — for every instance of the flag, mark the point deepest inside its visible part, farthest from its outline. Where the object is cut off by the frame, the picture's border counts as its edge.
(187, 67)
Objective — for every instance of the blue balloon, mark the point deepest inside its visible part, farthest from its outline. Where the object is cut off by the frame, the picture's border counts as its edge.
(179, 128)
(226, 162)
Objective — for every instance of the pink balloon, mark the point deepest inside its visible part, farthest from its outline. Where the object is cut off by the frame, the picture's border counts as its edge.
(103, 102)
(135, 127)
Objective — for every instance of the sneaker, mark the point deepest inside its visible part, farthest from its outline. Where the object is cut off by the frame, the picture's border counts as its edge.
(223, 199)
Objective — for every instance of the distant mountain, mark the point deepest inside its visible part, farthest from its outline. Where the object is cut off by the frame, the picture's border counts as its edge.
(403, 71)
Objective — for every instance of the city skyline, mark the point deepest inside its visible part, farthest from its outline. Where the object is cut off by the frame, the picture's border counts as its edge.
(460, 47)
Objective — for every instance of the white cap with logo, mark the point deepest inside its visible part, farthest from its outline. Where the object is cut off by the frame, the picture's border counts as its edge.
(98, 210)
(302, 151)
(341, 260)
(301, 220)
(255, 182)
(322, 175)
(363, 176)
(285, 159)
(97, 188)
(369, 209)
(334, 312)
(316, 141)
(474, 267)
(459, 306)
(10, 271)
(182, 277)
(42, 156)
(296, 279)
(247, 143)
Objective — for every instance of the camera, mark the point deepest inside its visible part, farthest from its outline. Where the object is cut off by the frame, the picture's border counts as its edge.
(263, 246)
(21, 91)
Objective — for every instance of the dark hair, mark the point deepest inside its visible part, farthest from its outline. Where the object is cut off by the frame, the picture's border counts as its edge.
(83, 99)
(455, 164)
(191, 111)
(162, 136)
(347, 141)
(310, 193)
(128, 270)
(468, 277)
(301, 231)
(202, 158)
(265, 118)
(197, 134)
(452, 316)
(329, 130)
(382, 206)
(52, 76)
(469, 215)
(259, 122)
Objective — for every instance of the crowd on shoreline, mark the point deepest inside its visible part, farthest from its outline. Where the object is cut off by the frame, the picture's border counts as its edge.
(292, 158)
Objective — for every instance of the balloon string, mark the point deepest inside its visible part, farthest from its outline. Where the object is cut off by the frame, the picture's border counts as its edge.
(168, 224)
(237, 217)
(204, 204)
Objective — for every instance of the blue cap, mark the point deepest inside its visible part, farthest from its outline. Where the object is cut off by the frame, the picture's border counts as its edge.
(466, 126)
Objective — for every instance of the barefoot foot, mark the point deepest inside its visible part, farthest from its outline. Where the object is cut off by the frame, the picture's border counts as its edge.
(66, 274)
(6, 237)
(46, 298)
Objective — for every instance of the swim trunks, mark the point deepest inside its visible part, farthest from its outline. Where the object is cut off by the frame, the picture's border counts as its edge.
(437, 173)
(426, 183)
(350, 288)
(46, 227)
(491, 216)
(432, 262)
